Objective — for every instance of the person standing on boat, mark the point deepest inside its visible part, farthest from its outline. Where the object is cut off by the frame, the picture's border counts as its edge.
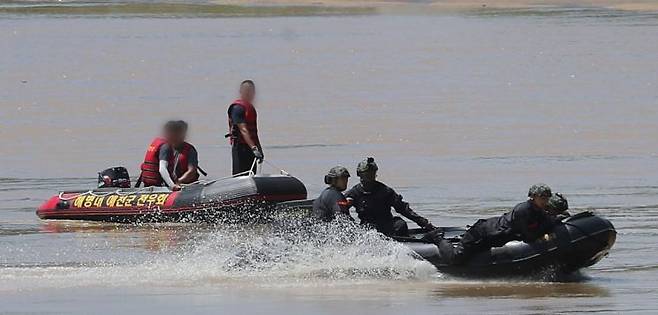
(170, 160)
(527, 222)
(373, 201)
(331, 201)
(243, 130)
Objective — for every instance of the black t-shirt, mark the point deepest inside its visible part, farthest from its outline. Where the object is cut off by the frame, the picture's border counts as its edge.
(166, 152)
(329, 203)
(237, 114)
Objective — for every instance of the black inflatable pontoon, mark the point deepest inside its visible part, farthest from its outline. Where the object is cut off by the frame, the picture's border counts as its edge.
(580, 241)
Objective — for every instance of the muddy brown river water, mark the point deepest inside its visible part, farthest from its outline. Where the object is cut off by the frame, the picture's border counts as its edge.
(463, 112)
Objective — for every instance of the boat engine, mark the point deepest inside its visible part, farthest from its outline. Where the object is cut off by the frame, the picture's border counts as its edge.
(114, 177)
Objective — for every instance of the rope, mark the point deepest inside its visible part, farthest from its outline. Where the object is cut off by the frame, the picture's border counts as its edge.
(118, 192)
(283, 172)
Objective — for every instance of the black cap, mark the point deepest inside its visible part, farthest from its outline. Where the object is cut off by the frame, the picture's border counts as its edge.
(367, 165)
(335, 172)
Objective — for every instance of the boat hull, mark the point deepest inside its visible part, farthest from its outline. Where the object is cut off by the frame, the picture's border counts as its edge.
(227, 198)
(579, 242)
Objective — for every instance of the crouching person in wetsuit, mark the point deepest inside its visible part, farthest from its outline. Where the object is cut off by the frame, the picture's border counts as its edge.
(373, 201)
(331, 201)
(527, 222)
(169, 159)
(558, 206)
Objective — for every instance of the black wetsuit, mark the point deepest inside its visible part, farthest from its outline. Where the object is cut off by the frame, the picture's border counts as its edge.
(328, 204)
(373, 205)
(524, 223)
(242, 155)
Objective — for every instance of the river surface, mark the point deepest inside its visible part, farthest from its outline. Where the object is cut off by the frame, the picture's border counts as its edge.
(462, 111)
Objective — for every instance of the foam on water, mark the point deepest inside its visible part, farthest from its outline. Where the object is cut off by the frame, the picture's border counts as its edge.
(284, 253)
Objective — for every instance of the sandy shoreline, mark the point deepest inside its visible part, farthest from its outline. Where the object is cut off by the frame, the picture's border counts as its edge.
(458, 5)
(227, 8)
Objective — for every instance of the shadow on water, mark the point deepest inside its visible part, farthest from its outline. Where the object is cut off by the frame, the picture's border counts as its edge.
(526, 290)
(564, 11)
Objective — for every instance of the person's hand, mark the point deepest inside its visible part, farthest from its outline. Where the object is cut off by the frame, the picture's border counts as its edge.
(258, 154)
(176, 187)
(430, 227)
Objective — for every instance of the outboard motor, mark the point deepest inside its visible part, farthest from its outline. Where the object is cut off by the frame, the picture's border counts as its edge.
(114, 177)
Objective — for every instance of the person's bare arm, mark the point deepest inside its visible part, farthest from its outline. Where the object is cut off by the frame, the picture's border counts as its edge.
(246, 135)
(164, 173)
(190, 176)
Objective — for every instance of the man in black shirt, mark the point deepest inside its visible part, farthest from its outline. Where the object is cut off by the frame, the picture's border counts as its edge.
(527, 222)
(243, 130)
(331, 201)
(373, 201)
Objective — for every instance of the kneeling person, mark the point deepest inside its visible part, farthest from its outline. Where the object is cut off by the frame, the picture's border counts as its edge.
(170, 160)
(373, 201)
(527, 222)
(331, 201)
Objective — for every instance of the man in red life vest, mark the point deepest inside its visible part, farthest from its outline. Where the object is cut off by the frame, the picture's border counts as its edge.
(169, 159)
(243, 130)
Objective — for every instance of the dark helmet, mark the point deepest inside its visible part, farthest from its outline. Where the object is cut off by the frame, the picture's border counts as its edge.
(367, 165)
(557, 203)
(335, 172)
(539, 190)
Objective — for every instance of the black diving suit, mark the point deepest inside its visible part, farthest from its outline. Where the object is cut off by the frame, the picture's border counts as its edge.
(524, 223)
(373, 204)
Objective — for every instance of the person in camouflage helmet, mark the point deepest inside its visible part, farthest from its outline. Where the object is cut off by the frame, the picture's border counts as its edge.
(332, 201)
(558, 206)
(373, 201)
(527, 222)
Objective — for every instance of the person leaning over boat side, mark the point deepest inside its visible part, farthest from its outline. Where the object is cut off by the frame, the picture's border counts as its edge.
(243, 130)
(170, 160)
(527, 222)
(331, 201)
(373, 201)
(558, 206)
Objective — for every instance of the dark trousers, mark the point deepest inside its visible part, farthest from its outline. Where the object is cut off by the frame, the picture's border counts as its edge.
(243, 158)
(457, 254)
(479, 237)
(395, 227)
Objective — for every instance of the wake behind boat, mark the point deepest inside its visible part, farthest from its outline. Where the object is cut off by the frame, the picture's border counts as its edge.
(208, 200)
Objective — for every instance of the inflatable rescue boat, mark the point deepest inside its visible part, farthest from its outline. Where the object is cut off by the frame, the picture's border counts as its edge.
(203, 201)
(577, 242)
(580, 241)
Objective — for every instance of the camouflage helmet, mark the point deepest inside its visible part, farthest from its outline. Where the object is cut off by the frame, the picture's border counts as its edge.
(558, 204)
(539, 190)
(335, 172)
(366, 165)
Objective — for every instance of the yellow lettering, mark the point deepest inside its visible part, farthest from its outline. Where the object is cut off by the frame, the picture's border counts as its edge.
(142, 200)
(162, 198)
(111, 200)
(79, 201)
(89, 201)
(120, 201)
(152, 199)
(98, 202)
(129, 201)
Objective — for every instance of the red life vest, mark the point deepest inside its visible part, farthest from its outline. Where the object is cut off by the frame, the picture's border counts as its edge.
(151, 166)
(251, 118)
